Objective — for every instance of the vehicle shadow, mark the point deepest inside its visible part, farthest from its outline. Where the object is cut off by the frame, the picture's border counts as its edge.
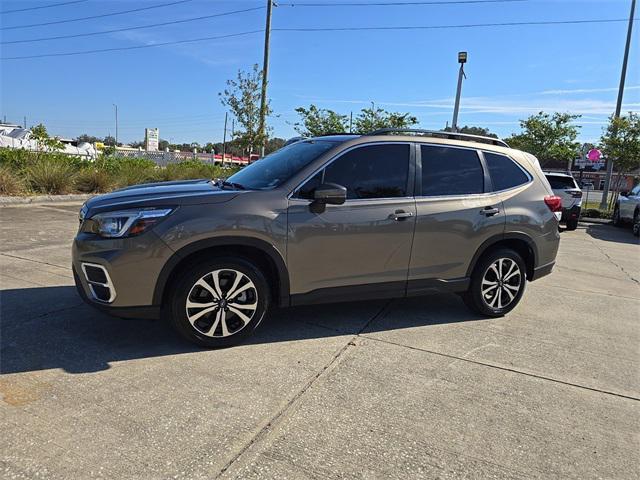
(609, 233)
(79, 339)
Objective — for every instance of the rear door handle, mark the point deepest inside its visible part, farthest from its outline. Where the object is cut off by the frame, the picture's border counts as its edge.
(489, 211)
(399, 215)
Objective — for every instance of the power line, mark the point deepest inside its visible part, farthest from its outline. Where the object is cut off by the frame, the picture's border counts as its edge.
(393, 4)
(173, 22)
(320, 29)
(135, 47)
(56, 22)
(4, 12)
(430, 27)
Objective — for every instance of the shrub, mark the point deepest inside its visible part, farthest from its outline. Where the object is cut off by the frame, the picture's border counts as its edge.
(50, 174)
(189, 170)
(10, 183)
(131, 171)
(93, 180)
(16, 158)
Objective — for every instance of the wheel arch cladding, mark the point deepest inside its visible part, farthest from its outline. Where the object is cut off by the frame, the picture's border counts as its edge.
(265, 256)
(518, 242)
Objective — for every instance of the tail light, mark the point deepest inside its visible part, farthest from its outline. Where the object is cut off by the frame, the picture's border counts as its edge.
(574, 193)
(554, 203)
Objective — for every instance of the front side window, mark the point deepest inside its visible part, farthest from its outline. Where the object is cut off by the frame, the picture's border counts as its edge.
(372, 171)
(450, 171)
(277, 167)
(504, 172)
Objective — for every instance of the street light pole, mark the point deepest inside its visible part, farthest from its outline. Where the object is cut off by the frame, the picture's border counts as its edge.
(265, 74)
(116, 107)
(607, 178)
(462, 59)
(224, 138)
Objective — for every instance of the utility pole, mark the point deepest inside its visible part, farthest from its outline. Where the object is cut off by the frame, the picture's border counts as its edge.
(265, 75)
(462, 59)
(116, 142)
(25, 122)
(351, 122)
(224, 138)
(607, 178)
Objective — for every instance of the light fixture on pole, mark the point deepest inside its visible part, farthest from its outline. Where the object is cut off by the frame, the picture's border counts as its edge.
(462, 59)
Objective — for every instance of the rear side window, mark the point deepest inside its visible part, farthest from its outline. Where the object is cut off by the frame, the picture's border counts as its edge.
(450, 171)
(504, 172)
(558, 182)
(373, 171)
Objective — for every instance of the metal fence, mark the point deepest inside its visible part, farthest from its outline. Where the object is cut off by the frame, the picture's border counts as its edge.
(165, 158)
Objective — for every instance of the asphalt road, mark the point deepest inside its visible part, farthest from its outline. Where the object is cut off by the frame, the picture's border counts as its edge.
(417, 388)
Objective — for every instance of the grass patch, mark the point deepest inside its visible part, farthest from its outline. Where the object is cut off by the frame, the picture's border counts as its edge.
(51, 175)
(10, 183)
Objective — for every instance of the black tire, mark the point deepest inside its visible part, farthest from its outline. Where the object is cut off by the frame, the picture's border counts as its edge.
(572, 224)
(474, 298)
(617, 221)
(636, 223)
(236, 329)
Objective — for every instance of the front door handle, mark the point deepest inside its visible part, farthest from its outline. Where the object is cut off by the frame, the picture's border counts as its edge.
(489, 211)
(399, 215)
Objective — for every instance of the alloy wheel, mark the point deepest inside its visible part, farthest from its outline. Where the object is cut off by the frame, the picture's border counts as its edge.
(501, 283)
(221, 303)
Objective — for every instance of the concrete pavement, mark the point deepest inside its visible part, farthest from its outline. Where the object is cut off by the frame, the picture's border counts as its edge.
(415, 388)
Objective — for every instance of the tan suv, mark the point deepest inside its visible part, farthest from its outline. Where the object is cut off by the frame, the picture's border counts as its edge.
(327, 219)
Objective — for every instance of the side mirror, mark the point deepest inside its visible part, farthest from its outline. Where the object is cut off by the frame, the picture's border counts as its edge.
(327, 194)
(330, 193)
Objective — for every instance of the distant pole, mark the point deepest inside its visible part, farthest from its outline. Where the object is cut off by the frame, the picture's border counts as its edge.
(233, 128)
(25, 122)
(265, 74)
(462, 59)
(607, 178)
(4, 119)
(116, 142)
(224, 138)
(351, 122)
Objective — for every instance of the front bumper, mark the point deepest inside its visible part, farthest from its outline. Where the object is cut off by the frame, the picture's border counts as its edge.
(119, 275)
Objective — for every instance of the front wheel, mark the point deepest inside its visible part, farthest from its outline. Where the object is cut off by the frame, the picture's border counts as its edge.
(219, 302)
(497, 283)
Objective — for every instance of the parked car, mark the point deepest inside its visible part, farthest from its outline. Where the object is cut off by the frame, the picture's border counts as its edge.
(327, 219)
(587, 185)
(627, 208)
(565, 186)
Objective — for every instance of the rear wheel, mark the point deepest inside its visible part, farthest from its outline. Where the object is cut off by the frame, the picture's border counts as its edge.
(497, 283)
(572, 224)
(636, 223)
(219, 302)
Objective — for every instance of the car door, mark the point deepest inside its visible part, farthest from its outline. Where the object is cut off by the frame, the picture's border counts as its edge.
(628, 204)
(456, 214)
(359, 249)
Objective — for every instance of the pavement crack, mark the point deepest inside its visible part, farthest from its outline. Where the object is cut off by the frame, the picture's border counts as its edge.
(282, 411)
(506, 369)
(620, 267)
(32, 260)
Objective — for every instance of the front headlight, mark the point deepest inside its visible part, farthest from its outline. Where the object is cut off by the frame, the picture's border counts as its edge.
(127, 223)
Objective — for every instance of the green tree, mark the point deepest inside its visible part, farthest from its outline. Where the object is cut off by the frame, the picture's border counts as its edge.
(242, 96)
(370, 119)
(274, 144)
(469, 130)
(43, 140)
(548, 137)
(316, 121)
(87, 138)
(620, 143)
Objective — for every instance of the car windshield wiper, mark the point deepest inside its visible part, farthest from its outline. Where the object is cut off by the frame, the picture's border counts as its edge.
(234, 185)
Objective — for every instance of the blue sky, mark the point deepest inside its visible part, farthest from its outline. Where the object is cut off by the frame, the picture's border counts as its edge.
(512, 71)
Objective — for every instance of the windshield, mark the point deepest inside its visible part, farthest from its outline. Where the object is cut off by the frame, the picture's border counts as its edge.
(279, 166)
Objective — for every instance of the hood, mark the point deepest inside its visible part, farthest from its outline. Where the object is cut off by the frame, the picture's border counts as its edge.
(188, 192)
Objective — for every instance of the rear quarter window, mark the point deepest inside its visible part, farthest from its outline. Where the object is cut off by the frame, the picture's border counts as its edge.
(504, 172)
(559, 182)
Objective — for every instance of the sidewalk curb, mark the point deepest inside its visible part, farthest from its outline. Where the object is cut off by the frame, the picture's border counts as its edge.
(599, 221)
(14, 201)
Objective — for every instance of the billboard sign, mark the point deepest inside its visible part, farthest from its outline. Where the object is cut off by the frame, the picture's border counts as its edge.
(151, 139)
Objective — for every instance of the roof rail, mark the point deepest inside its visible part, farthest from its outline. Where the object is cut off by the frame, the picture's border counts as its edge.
(443, 134)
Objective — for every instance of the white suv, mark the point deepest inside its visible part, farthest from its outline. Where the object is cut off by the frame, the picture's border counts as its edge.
(627, 207)
(565, 187)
